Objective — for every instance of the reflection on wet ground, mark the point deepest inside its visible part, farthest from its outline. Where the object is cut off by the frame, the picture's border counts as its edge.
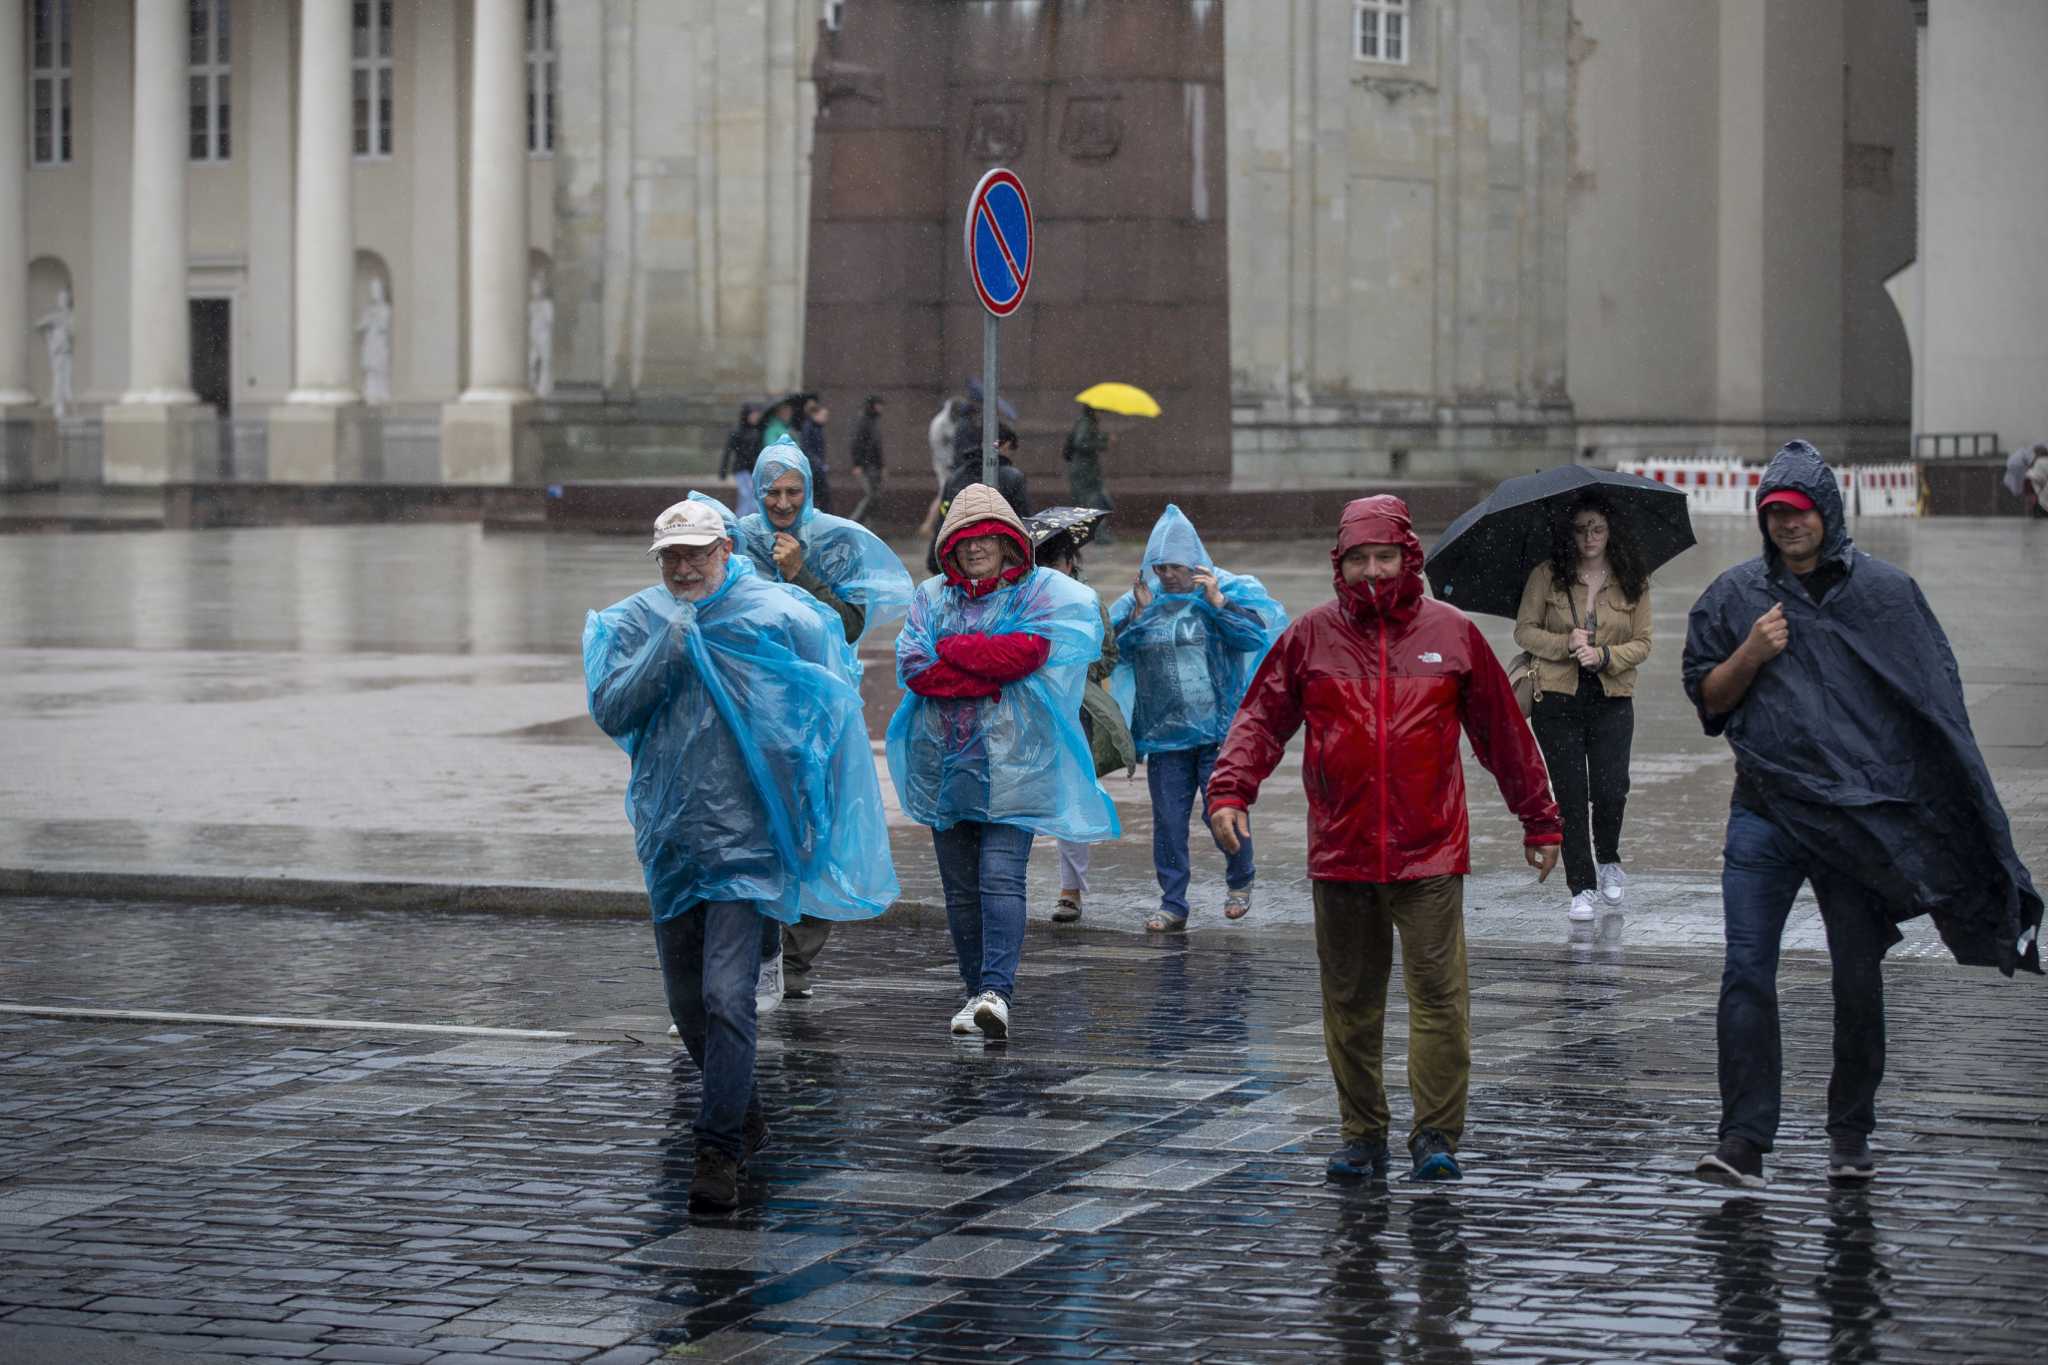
(1138, 1176)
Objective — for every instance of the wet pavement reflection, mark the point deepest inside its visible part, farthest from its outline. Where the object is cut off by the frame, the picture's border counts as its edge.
(1137, 1177)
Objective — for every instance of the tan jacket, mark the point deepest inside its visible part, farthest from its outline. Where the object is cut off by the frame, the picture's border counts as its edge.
(1543, 626)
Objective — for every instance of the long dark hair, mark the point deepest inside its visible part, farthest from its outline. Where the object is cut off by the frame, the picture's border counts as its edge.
(1623, 557)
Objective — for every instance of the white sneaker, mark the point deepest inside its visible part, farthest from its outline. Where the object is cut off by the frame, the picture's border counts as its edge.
(992, 1016)
(1582, 907)
(963, 1022)
(675, 1033)
(1613, 883)
(768, 987)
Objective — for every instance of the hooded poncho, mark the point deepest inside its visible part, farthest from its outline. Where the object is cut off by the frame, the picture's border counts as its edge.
(1017, 757)
(1182, 665)
(846, 556)
(753, 778)
(1855, 740)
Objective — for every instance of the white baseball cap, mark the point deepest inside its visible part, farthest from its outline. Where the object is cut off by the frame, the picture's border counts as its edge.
(687, 523)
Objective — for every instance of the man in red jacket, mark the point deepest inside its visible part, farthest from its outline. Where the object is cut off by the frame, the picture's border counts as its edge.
(1384, 678)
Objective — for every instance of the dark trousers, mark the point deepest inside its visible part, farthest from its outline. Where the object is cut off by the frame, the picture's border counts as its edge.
(710, 955)
(1355, 927)
(870, 489)
(1762, 868)
(1585, 739)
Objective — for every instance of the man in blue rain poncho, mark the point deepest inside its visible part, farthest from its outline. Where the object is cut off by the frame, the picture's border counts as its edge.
(1189, 637)
(753, 794)
(849, 569)
(1855, 770)
(987, 747)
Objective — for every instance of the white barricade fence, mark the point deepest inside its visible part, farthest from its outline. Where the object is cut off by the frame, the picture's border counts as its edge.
(1888, 490)
(1729, 487)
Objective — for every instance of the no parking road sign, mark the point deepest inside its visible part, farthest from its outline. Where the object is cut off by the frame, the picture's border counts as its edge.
(999, 241)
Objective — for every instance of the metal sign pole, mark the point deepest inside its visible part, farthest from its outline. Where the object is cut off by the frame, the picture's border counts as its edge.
(989, 460)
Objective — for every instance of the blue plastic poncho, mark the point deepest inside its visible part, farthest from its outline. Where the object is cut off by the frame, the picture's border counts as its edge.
(1016, 759)
(849, 558)
(1183, 666)
(753, 778)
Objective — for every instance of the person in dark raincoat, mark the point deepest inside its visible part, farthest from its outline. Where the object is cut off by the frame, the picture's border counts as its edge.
(1083, 453)
(1855, 769)
(810, 438)
(867, 455)
(753, 795)
(736, 462)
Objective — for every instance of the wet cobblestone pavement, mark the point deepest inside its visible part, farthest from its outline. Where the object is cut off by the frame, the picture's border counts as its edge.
(1137, 1176)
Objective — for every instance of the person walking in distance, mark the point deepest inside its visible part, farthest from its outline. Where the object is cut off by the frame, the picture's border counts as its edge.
(867, 456)
(1855, 770)
(1384, 679)
(1585, 620)
(753, 796)
(986, 749)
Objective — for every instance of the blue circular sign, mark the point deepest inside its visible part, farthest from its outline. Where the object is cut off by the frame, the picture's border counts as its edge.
(999, 241)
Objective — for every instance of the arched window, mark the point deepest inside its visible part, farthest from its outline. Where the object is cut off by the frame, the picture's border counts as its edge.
(370, 77)
(540, 77)
(209, 79)
(49, 77)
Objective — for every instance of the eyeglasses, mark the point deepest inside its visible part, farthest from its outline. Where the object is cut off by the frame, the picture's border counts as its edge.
(688, 554)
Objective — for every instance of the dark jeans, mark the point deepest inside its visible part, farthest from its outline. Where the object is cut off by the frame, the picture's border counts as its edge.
(1585, 740)
(1761, 872)
(710, 955)
(1174, 778)
(982, 868)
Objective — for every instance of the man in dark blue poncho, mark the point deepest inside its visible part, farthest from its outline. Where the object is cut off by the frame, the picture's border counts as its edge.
(1855, 769)
(753, 794)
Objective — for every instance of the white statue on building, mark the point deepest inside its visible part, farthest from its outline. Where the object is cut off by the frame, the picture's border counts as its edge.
(374, 327)
(540, 337)
(57, 335)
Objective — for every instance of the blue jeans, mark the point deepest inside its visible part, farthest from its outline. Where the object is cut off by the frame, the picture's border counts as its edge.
(1175, 777)
(710, 955)
(982, 868)
(1761, 872)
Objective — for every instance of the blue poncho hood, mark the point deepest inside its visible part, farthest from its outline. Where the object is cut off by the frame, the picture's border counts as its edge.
(850, 559)
(752, 775)
(1856, 740)
(1182, 665)
(1020, 758)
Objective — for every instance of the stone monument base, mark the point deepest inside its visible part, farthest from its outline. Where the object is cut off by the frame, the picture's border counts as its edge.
(159, 443)
(30, 456)
(489, 441)
(322, 443)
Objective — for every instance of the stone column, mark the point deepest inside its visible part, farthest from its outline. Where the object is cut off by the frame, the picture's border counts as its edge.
(28, 437)
(484, 436)
(317, 436)
(158, 432)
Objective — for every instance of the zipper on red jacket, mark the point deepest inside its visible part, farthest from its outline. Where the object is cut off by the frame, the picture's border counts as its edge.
(1384, 794)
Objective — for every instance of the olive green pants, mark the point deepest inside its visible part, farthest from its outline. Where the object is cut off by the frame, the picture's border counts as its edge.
(1355, 926)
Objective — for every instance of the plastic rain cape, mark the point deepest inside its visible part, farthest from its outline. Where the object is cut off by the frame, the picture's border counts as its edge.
(1016, 759)
(753, 778)
(850, 559)
(1182, 666)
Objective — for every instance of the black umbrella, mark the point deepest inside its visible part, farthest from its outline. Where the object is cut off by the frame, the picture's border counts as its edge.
(1484, 560)
(1077, 524)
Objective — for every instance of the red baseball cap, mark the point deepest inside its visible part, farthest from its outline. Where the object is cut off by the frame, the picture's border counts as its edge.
(1791, 497)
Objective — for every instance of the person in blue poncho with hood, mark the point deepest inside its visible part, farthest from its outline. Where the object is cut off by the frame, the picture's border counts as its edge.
(849, 569)
(753, 794)
(1189, 636)
(987, 747)
(1855, 770)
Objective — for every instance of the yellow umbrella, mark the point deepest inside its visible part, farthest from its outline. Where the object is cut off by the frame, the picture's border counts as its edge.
(1125, 400)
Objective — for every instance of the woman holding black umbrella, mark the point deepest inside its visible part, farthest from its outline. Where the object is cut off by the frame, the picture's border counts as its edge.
(1585, 620)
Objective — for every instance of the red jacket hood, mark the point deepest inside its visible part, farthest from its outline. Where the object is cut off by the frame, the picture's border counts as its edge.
(1379, 520)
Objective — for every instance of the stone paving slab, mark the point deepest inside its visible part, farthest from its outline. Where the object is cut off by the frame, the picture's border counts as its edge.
(539, 1211)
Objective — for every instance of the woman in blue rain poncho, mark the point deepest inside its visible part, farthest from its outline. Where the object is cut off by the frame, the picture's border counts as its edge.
(1189, 637)
(987, 747)
(841, 563)
(752, 793)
